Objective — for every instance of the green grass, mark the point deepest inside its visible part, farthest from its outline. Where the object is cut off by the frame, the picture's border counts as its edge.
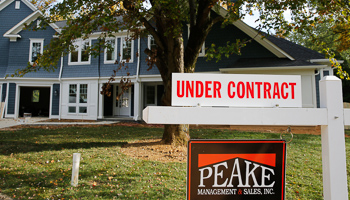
(36, 164)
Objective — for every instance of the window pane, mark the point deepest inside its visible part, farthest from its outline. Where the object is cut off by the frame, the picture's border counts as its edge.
(36, 95)
(82, 109)
(84, 52)
(126, 49)
(150, 95)
(36, 50)
(83, 93)
(110, 52)
(72, 109)
(72, 93)
(74, 56)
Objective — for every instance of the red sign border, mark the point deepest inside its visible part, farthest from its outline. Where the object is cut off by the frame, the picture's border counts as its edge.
(208, 141)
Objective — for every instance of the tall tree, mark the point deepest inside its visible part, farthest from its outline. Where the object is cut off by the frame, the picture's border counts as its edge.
(165, 21)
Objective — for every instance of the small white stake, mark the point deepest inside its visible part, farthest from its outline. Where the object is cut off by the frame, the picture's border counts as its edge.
(75, 169)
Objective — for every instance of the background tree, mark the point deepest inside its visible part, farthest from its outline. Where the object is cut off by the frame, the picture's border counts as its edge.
(165, 20)
(325, 38)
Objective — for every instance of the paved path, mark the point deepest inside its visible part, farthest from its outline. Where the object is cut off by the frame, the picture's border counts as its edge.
(7, 123)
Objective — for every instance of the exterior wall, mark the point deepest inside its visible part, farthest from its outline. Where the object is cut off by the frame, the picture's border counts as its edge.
(11, 100)
(55, 102)
(92, 100)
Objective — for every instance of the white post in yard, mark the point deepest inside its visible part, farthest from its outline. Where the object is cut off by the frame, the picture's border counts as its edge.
(75, 169)
(333, 140)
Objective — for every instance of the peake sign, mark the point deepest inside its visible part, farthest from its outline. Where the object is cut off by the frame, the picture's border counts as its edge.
(236, 169)
(238, 90)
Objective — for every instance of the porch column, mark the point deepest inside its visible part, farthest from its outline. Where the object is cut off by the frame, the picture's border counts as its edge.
(137, 100)
(100, 102)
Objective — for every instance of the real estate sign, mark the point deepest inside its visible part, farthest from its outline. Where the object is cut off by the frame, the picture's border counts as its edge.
(238, 90)
(236, 169)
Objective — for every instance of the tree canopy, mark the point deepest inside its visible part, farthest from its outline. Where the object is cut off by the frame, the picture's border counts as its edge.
(165, 21)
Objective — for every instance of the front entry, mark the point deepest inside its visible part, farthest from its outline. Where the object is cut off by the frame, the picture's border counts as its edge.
(123, 104)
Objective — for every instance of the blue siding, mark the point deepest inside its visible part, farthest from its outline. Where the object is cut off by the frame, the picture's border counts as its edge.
(144, 68)
(19, 52)
(4, 89)
(55, 109)
(9, 17)
(11, 98)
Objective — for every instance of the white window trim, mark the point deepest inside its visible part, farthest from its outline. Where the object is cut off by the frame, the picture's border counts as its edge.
(36, 40)
(115, 52)
(121, 50)
(77, 104)
(202, 52)
(79, 44)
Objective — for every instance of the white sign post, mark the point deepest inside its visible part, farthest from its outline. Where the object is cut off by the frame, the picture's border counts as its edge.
(331, 116)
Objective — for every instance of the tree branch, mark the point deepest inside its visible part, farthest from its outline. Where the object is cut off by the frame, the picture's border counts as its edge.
(192, 13)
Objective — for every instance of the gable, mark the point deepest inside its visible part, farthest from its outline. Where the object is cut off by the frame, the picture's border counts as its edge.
(13, 33)
(27, 4)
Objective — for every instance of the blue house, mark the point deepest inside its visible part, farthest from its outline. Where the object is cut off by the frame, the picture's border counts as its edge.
(73, 90)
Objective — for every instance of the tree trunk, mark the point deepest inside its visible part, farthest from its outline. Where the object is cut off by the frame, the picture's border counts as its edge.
(169, 61)
(176, 134)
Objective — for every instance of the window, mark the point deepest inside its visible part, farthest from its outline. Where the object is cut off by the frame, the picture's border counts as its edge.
(150, 95)
(18, 5)
(36, 96)
(81, 91)
(72, 93)
(36, 48)
(80, 54)
(202, 51)
(151, 43)
(110, 53)
(127, 49)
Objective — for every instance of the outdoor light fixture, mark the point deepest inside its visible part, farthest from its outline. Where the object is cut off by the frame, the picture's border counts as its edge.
(55, 93)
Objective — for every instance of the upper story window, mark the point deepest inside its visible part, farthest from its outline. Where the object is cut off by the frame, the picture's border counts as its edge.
(110, 51)
(127, 49)
(18, 5)
(80, 55)
(202, 51)
(151, 42)
(36, 48)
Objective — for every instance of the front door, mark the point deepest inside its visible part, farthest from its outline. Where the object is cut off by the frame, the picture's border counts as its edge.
(122, 105)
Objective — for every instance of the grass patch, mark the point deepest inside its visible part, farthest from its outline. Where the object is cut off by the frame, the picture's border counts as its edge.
(36, 164)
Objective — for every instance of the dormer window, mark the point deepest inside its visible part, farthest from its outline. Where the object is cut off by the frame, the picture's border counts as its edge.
(80, 55)
(36, 48)
(151, 43)
(18, 5)
(127, 49)
(110, 51)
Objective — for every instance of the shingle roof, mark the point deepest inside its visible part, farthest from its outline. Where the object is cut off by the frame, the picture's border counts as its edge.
(296, 51)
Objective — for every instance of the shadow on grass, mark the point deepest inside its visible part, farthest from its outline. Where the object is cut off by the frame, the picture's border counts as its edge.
(24, 147)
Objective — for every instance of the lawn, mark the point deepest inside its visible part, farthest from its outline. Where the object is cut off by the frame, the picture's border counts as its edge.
(36, 164)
